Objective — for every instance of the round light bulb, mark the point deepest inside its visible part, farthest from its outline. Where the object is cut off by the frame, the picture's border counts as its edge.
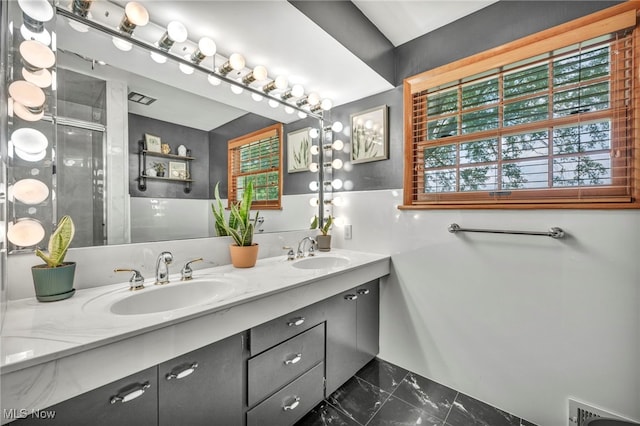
(123, 45)
(281, 82)
(137, 14)
(302, 114)
(337, 164)
(43, 37)
(213, 80)
(29, 140)
(36, 55)
(25, 232)
(161, 59)
(260, 73)
(338, 145)
(313, 202)
(314, 150)
(336, 183)
(236, 61)
(297, 91)
(30, 191)
(27, 94)
(313, 99)
(41, 78)
(273, 103)
(236, 89)
(207, 46)
(256, 97)
(40, 10)
(186, 69)
(313, 167)
(337, 126)
(289, 110)
(177, 31)
(326, 104)
(314, 186)
(314, 133)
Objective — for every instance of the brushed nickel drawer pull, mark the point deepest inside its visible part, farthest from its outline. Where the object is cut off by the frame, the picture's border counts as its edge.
(130, 394)
(363, 291)
(293, 405)
(293, 360)
(351, 297)
(296, 322)
(184, 373)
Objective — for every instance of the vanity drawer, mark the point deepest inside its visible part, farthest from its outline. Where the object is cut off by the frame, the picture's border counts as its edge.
(276, 367)
(280, 329)
(291, 403)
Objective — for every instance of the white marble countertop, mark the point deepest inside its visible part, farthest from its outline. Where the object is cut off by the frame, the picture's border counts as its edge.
(54, 351)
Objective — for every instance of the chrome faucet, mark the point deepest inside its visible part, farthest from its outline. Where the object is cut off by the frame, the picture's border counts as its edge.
(186, 273)
(136, 282)
(301, 244)
(162, 267)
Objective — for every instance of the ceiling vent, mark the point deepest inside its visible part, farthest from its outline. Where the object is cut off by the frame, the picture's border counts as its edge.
(140, 98)
(579, 413)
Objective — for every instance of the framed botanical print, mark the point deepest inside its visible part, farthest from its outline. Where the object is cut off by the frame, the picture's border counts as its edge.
(299, 150)
(152, 143)
(369, 135)
(178, 170)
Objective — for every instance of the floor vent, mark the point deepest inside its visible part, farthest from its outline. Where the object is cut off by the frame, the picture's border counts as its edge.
(579, 412)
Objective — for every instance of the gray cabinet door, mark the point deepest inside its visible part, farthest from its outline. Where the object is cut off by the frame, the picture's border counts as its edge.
(203, 387)
(131, 401)
(341, 350)
(368, 333)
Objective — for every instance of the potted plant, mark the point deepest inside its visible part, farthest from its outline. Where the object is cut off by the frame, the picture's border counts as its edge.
(324, 239)
(159, 168)
(240, 227)
(53, 280)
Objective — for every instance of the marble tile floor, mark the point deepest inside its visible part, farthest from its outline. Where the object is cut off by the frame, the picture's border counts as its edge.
(383, 394)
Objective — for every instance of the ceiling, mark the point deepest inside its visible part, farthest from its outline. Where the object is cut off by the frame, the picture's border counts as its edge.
(272, 33)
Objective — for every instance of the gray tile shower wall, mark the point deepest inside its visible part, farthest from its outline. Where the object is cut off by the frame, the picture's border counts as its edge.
(383, 394)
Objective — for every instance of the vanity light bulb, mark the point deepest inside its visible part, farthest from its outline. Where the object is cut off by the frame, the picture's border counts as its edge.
(336, 183)
(297, 91)
(123, 45)
(273, 103)
(338, 145)
(314, 133)
(289, 110)
(237, 89)
(313, 99)
(302, 114)
(186, 69)
(337, 126)
(38, 10)
(314, 150)
(236, 61)
(25, 232)
(281, 82)
(213, 80)
(177, 31)
(43, 37)
(160, 59)
(314, 186)
(314, 202)
(260, 73)
(336, 164)
(326, 104)
(256, 97)
(207, 46)
(136, 13)
(313, 167)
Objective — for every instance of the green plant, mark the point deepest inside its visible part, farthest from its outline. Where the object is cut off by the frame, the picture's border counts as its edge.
(240, 226)
(324, 229)
(59, 242)
(159, 167)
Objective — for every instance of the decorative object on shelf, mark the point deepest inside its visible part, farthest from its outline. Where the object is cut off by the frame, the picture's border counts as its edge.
(324, 239)
(240, 226)
(177, 170)
(165, 148)
(299, 150)
(151, 172)
(182, 151)
(159, 168)
(152, 143)
(53, 280)
(369, 135)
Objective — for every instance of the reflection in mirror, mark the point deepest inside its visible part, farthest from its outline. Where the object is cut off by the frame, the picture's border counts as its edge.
(96, 157)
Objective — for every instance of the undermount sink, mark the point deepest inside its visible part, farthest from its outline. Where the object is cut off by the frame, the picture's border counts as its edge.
(174, 296)
(321, 262)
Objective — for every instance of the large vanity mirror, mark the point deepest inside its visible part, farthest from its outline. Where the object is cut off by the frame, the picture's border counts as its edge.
(110, 96)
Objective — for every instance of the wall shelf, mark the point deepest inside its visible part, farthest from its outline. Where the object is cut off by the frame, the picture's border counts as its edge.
(143, 166)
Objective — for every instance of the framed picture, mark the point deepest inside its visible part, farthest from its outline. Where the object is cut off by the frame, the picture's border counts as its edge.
(299, 150)
(178, 170)
(152, 143)
(369, 135)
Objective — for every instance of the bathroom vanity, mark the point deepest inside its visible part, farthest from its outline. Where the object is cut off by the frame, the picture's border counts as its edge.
(263, 353)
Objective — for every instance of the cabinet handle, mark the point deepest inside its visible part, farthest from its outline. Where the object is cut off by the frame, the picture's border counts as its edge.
(131, 393)
(184, 373)
(293, 405)
(351, 297)
(296, 322)
(296, 359)
(363, 291)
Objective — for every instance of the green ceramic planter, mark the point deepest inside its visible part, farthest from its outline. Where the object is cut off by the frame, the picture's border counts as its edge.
(53, 284)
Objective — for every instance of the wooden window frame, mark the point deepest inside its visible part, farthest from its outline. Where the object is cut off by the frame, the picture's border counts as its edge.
(586, 28)
(233, 150)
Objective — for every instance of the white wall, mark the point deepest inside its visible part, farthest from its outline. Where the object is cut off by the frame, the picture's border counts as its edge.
(521, 322)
